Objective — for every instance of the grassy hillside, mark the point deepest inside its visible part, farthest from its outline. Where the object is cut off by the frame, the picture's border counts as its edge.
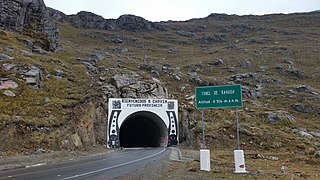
(276, 57)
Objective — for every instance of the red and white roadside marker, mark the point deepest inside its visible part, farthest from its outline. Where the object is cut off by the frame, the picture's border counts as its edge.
(240, 166)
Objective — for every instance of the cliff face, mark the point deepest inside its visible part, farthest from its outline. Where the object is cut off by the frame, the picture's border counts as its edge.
(31, 18)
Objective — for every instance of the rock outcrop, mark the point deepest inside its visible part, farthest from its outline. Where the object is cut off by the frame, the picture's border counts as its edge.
(136, 24)
(57, 15)
(134, 86)
(31, 18)
(89, 20)
(89, 128)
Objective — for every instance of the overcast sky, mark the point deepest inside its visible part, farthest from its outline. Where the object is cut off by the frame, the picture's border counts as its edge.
(164, 10)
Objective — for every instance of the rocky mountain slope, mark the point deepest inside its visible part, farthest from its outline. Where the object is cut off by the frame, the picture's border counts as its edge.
(30, 18)
(55, 82)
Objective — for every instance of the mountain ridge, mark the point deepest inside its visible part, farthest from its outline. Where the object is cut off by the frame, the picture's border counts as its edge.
(57, 100)
(84, 19)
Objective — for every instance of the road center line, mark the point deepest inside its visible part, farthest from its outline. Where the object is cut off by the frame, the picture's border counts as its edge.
(99, 170)
(72, 165)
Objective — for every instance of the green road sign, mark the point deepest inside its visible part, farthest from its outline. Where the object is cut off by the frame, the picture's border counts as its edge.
(219, 96)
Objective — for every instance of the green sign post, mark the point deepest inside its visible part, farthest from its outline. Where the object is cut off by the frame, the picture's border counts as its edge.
(228, 96)
(219, 96)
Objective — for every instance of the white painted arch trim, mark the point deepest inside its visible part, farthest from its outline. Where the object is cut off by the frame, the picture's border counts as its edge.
(119, 109)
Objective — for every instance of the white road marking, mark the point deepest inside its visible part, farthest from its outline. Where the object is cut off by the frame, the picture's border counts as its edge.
(36, 165)
(99, 170)
(138, 148)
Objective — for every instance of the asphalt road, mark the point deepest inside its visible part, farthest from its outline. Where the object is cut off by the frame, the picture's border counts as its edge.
(103, 166)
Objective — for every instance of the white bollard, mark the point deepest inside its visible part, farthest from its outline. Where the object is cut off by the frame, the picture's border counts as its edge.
(240, 166)
(205, 159)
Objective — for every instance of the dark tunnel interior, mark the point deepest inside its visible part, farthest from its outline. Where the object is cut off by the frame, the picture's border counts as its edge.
(142, 129)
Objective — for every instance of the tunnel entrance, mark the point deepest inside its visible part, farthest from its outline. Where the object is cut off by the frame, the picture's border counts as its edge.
(142, 123)
(143, 129)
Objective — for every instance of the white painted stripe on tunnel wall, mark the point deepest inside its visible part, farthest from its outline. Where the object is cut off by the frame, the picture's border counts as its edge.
(113, 124)
(173, 126)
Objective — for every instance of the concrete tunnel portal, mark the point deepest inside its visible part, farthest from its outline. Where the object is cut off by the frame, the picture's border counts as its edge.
(142, 123)
(143, 129)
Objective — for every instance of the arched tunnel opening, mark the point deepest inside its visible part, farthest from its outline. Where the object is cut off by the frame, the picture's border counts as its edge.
(143, 129)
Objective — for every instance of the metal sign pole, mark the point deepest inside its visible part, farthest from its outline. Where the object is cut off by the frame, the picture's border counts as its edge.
(239, 163)
(204, 153)
(203, 141)
(238, 133)
(227, 96)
